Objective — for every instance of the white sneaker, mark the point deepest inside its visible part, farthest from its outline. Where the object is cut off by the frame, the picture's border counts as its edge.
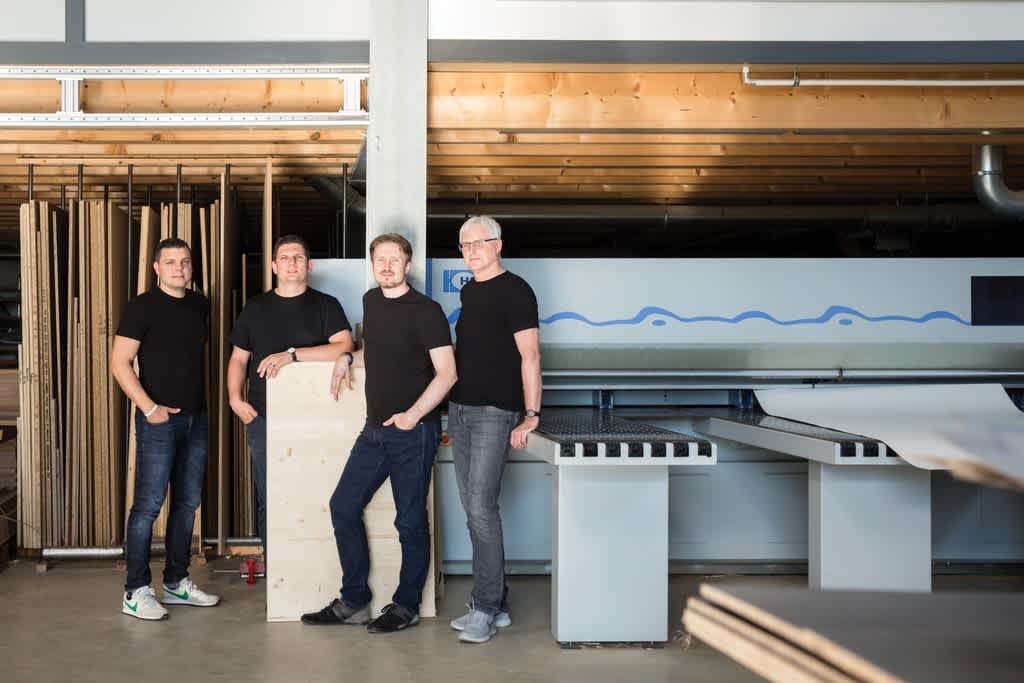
(141, 603)
(187, 593)
(501, 619)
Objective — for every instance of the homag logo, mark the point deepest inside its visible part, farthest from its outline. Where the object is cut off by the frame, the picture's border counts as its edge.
(455, 280)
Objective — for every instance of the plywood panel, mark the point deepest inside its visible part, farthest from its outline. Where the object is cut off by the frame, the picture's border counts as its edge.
(889, 636)
(117, 296)
(309, 437)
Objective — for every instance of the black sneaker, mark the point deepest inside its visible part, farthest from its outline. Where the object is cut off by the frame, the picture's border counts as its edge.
(338, 613)
(393, 618)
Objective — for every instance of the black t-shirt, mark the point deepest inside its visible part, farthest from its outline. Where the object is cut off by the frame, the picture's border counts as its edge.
(270, 323)
(486, 355)
(399, 335)
(172, 333)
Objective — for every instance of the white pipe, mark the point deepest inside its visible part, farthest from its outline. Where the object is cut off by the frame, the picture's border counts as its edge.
(796, 81)
(125, 73)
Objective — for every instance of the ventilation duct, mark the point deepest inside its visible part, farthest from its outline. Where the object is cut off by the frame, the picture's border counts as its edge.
(990, 183)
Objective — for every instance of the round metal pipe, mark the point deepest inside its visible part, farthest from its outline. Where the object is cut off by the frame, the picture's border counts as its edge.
(344, 211)
(235, 540)
(990, 183)
(93, 553)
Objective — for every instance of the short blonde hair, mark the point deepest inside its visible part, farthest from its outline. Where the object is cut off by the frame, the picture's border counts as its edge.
(394, 238)
(493, 229)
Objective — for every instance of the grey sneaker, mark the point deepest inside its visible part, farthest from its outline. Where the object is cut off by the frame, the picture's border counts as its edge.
(478, 628)
(501, 619)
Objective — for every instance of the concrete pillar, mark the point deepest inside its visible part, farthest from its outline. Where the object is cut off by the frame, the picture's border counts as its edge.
(396, 142)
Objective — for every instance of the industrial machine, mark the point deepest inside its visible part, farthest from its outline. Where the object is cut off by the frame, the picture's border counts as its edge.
(668, 355)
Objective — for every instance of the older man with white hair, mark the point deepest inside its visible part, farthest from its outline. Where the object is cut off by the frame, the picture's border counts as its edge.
(494, 406)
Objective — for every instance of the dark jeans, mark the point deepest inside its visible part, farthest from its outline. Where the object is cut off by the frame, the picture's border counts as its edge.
(407, 457)
(256, 435)
(170, 453)
(480, 443)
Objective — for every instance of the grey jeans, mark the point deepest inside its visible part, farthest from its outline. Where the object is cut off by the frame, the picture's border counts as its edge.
(479, 436)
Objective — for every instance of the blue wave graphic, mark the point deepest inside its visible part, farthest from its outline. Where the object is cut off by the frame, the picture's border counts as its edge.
(830, 314)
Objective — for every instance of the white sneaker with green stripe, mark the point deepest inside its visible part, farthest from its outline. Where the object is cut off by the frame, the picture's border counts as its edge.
(141, 603)
(187, 593)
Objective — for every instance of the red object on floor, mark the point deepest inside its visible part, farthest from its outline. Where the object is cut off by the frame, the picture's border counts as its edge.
(251, 566)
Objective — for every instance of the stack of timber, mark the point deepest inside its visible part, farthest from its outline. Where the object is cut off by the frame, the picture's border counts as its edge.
(74, 269)
(9, 394)
(8, 489)
(795, 635)
(243, 492)
(76, 442)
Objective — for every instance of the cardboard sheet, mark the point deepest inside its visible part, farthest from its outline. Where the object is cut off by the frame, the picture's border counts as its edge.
(931, 426)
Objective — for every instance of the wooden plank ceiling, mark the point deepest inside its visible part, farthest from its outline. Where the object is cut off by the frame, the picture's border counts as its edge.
(651, 136)
(705, 137)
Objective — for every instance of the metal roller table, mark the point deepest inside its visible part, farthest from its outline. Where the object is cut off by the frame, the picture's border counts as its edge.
(610, 542)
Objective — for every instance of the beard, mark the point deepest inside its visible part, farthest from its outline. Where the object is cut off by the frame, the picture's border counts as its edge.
(392, 281)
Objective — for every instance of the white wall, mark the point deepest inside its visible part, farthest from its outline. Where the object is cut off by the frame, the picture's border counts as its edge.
(226, 20)
(725, 21)
(31, 21)
(663, 20)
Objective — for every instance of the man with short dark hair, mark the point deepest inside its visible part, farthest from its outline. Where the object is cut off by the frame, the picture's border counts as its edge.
(166, 329)
(288, 324)
(410, 366)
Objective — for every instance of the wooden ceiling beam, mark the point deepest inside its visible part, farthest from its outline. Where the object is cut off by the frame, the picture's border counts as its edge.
(182, 135)
(437, 162)
(184, 149)
(703, 102)
(558, 136)
(893, 148)
(185, 161)
(201, 96)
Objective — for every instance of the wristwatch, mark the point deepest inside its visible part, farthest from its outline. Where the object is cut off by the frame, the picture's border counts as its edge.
(351, 358)
(291, 352)
(532, 413)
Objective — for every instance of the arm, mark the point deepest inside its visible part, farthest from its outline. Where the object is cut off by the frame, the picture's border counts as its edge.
(528, 343)
(339, 343)
(237, 365)
(122, 355)
(443, 359)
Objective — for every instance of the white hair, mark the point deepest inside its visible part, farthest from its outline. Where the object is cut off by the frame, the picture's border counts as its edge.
(493, 229)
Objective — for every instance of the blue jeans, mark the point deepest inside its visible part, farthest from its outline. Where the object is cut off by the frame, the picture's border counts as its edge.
(407, 457)
(170, 453)
(480, 443)
(256, 435)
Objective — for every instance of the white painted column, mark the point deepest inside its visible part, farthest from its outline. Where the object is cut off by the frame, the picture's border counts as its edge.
(396, 142)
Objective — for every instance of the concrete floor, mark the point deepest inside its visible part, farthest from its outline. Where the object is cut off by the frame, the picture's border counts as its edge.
(66, 624)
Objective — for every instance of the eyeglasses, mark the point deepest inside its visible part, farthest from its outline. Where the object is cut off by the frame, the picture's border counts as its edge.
(475, 244)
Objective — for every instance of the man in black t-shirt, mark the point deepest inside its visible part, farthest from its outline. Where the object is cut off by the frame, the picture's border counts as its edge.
(288, 324)
(410, 366)
(494, 406)
(166, 330)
